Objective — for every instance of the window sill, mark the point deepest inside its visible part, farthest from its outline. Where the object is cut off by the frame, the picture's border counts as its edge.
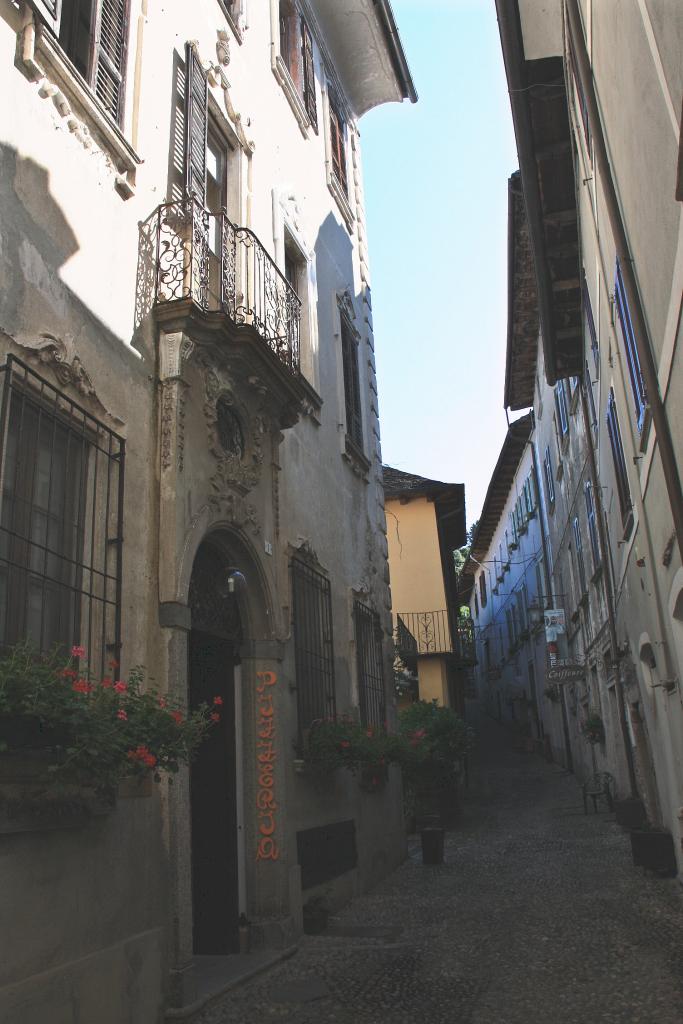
(59, 73)
(341, 200)
(353, 455)
(292, 93)
(313, 403)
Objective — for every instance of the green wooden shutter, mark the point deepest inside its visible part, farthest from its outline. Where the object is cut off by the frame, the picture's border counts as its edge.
(309, 74)
(49, 11)
(111, 46)
(196, 124)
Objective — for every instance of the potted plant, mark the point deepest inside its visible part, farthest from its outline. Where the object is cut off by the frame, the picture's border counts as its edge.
(64, 734)
(342, 742)
(593, 728)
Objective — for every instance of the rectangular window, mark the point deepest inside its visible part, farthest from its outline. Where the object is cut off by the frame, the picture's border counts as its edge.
(562, 410)
(540, 590)
(581, 98)
(592, 525)
(482, 589)
(589, 322)
(578, 551)
(370, 661)
(313, 645)
(354, 416)
(629, 340)
(94, 36)
(308, 74)
(60, 521)
(548, 472)
(338, 147)
(619, 459)
(591, 397)
(296, 50)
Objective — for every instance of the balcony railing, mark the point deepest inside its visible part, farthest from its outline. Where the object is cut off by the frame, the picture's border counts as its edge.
(224, 268)
(419, 633)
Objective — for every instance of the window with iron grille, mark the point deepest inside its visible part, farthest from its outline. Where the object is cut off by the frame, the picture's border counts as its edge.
(578, 551)
(629, 339)
(370, 661)
(338, 146)
(548, 473)
(313, 646)
(354, 416)
(619, 459)
(94, 36)
(60, 520)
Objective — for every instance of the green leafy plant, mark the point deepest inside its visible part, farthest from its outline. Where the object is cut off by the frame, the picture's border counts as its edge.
(344, 743)
(431, 744)
(96, 732)
(593, 728)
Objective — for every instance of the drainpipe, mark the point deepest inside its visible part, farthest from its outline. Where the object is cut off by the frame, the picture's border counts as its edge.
(609, 592)
(642, 339)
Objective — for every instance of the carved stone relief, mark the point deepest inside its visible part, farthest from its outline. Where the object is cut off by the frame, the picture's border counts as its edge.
(235, 438)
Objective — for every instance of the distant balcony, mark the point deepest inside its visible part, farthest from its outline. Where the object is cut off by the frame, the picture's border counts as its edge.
(424, 633)
(205, 263)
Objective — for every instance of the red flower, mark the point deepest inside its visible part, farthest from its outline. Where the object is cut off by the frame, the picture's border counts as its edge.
(82, 686)
(68, 673)
(78, 652)
(177, 717)
(106, 682)
(143, 754)
(113, 664)
(162, 702)
(218, 701)
(344, 744)
(370, 733)
(120, 686)
(122, 715)
(215, 717)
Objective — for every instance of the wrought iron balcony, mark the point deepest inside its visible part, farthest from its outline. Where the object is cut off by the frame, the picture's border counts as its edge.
(422, 633)
(220, 267)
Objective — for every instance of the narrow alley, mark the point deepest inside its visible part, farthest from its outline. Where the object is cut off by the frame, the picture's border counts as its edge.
(537, 915)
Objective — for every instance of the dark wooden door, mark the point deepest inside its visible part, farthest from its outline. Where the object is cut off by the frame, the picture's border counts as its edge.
(213, 801)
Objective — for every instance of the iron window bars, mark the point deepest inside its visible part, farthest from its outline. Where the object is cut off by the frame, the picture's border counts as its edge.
(369, 658)
(240, 279)
(61, 495)
(313, 644)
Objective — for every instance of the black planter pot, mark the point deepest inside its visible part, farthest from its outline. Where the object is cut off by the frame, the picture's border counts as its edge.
(630, 813)
(432, 845)
(654, 850)
(437, 806)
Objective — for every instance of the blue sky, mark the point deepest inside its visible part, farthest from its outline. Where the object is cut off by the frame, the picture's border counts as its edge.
(436, 198)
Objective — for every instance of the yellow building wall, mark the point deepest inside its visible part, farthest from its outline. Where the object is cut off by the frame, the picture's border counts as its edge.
(432, 680)
(414, 559)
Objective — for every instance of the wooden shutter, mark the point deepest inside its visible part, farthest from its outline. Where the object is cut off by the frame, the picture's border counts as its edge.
(49, 11)
(111, 46)
(338, 149)
(354, 420)
(196, 124)
(309, 74)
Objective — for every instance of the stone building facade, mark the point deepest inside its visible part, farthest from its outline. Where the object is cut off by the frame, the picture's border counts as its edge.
(594, 347)
(184, 284)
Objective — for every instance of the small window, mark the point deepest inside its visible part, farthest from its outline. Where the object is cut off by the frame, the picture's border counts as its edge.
(354, 417)
(589, 323)
(581, 98)
(591, 397)
(338, 146)
(578, 551)
(370, 661)
(476, 605)
(548, 472)
(94, 36)
(619, 460)
(482, 589)
(313, 646)
(629, 341)
(296, 50)
(561, 406)
(592, 525)
(60, 521)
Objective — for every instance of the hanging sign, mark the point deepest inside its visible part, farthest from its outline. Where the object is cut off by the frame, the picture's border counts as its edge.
(569, 672)
(554, 623)
(266, 806)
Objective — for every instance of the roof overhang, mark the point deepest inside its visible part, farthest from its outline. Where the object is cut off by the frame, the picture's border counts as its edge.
(367, 52)
(523, 326)
(538, 98)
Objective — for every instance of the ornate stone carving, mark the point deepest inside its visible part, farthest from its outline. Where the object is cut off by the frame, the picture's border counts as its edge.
(172, 421)
(233, 509)
(60, 355)
(236, 469)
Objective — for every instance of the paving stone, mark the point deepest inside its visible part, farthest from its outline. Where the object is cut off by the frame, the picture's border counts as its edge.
(536, 916)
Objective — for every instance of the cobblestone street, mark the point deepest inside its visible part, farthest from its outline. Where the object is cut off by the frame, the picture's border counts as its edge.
(537, 916)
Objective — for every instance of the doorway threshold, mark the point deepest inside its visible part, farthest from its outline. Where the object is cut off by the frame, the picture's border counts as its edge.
(216, 975)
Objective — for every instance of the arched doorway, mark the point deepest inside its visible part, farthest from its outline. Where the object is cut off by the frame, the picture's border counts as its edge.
(214, 641)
